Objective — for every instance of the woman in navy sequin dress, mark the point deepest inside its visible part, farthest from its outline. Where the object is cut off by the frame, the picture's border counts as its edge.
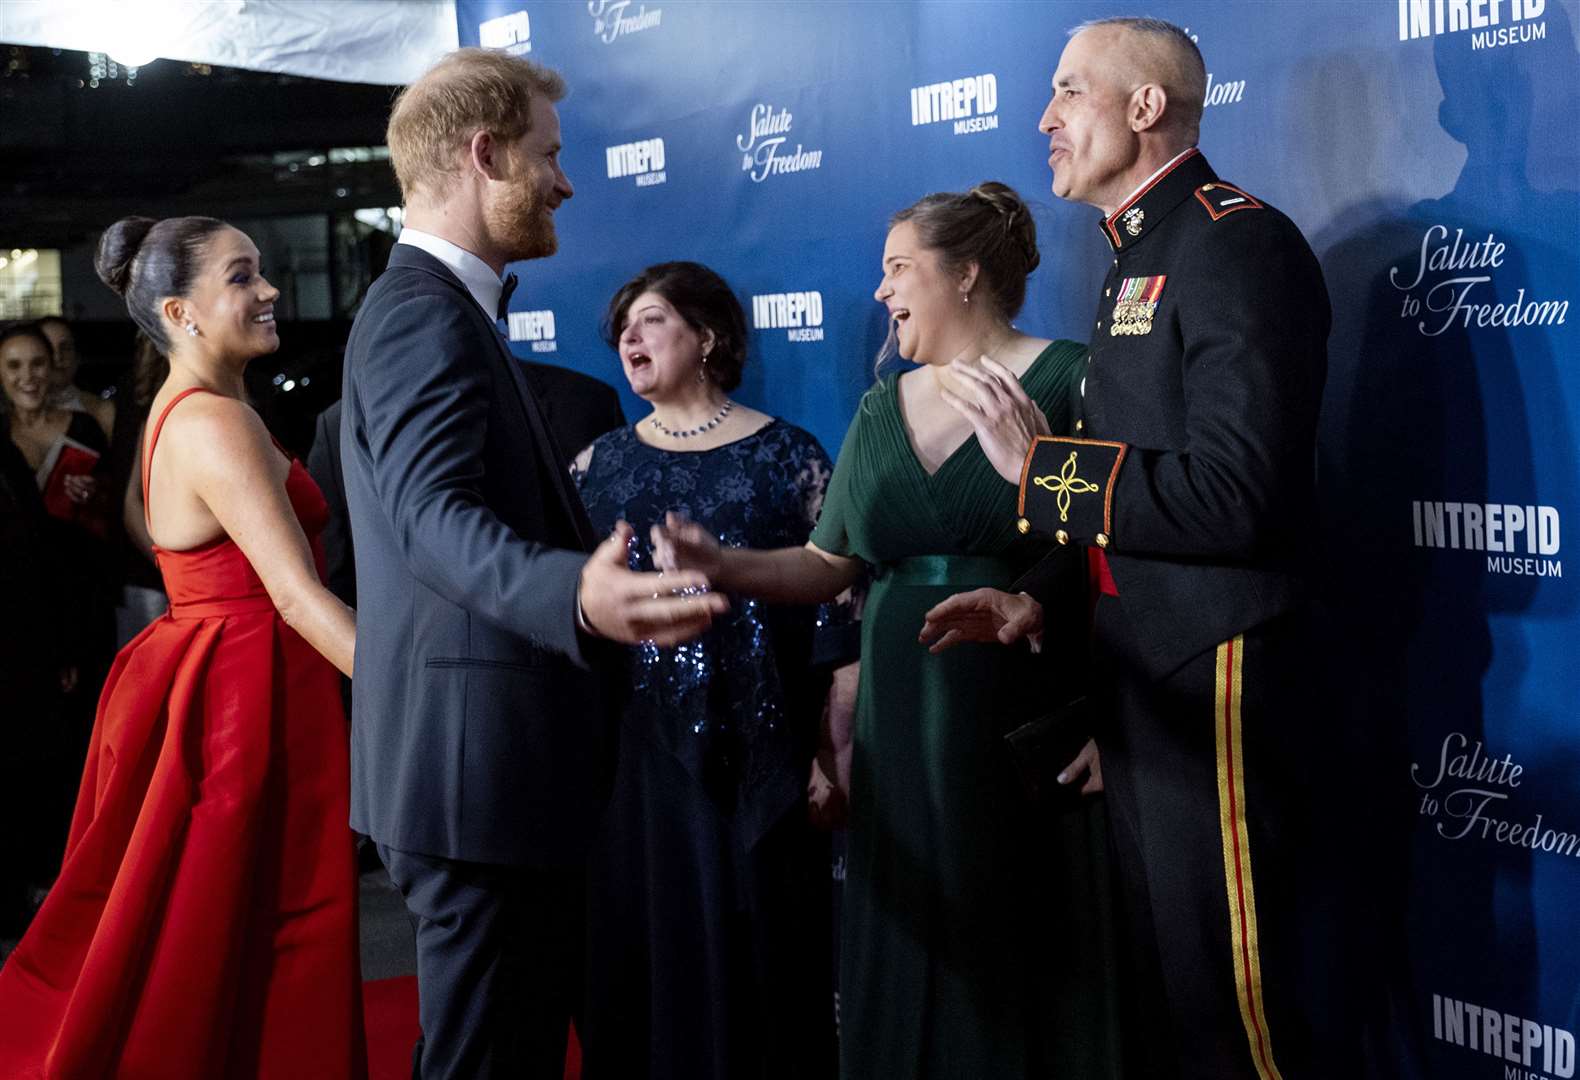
(710, 925)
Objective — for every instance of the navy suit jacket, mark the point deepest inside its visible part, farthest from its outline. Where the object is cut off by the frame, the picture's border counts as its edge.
(479, 728)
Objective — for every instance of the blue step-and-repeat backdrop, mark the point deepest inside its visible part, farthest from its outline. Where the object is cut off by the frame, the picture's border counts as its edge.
(1429, 149)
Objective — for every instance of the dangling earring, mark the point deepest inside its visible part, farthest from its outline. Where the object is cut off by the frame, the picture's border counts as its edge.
(702, 370)
(192, 330)
(965, 298)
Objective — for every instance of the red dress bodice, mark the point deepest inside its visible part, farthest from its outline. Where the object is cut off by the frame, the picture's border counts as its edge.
(215, 578)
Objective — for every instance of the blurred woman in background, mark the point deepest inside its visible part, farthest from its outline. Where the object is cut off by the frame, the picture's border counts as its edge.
(62, 445)
(64, 449)
(63, 388)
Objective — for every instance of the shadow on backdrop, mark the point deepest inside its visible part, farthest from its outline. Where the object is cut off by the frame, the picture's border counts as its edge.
(1444, 395)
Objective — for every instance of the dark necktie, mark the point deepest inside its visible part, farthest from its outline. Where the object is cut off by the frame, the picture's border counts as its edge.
(508, 286)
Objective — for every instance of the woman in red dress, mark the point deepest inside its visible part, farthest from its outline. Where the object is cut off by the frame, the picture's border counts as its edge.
(204, 921)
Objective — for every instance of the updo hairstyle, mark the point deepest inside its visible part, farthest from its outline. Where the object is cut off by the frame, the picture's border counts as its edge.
(704, 300)
(145, 261)
(988, 225)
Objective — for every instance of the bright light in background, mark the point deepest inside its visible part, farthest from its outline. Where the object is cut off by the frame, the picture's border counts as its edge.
(387, 219)
(29, 282)
(135, 54)
(138, 32)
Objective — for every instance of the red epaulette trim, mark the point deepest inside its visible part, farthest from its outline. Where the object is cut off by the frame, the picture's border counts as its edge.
(1217, 212)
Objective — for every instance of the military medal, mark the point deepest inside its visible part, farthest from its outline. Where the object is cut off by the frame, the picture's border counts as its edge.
(1138, 299)
(1133, 219)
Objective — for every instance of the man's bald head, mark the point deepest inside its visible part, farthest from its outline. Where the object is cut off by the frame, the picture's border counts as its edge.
(1144, 50)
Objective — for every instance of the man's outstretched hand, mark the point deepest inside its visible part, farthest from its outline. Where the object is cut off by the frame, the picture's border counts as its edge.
(981, 615)
(665, 608)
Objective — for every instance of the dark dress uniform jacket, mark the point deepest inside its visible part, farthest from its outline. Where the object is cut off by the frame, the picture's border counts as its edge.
(1194, 469)
(479, 732)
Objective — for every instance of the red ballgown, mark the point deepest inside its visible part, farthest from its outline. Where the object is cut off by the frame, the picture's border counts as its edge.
(204, 924)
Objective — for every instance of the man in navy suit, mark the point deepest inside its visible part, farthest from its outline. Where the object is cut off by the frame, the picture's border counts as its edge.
(480, 734)
(577, 407)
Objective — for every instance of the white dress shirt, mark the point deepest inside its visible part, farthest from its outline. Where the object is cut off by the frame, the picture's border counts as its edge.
(478, 277)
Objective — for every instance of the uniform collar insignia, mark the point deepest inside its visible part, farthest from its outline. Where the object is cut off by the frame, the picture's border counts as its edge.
(1140, 214)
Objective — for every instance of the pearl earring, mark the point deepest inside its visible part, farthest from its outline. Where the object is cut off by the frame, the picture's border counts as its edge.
(965, 298)
(702, 370)
(192, 330)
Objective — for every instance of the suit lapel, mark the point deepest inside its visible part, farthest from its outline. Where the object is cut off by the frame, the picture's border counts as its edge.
(543, 437)
(531, 410)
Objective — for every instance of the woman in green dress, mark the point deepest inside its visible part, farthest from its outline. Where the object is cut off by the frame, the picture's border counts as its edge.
(977, 937)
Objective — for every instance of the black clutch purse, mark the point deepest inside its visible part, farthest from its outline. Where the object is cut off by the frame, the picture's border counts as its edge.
(1041, 748)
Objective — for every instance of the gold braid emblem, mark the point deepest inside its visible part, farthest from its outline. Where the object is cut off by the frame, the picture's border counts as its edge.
(1065, 484)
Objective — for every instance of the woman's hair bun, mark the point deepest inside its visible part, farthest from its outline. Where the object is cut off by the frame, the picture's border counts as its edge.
(117, 248)
(1019, 229)
(990, 225)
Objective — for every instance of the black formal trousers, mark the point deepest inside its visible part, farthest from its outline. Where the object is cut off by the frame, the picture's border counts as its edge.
(1208, 808)
(500, 959)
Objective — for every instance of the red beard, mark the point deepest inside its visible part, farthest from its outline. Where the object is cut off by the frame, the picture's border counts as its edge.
(521, 222)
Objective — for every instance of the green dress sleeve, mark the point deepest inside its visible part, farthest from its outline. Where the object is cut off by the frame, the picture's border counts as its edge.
(1058, 384)
(832, 531)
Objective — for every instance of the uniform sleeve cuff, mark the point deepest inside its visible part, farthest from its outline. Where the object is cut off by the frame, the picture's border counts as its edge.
(1067, 489)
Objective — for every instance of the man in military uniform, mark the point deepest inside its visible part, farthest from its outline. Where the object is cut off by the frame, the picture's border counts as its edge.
(1191, 480)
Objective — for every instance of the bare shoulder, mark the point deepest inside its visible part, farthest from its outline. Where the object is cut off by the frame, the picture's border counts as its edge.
(213, 435)
(751, 419)
(211, 416)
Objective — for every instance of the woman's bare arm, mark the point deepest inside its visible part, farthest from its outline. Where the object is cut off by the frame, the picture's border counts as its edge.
(789, 575)
(227, 458)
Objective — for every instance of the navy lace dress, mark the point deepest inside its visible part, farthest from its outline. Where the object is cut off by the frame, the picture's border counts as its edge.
(710, 930)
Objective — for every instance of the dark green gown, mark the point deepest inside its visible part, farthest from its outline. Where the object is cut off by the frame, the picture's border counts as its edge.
(977, 938)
